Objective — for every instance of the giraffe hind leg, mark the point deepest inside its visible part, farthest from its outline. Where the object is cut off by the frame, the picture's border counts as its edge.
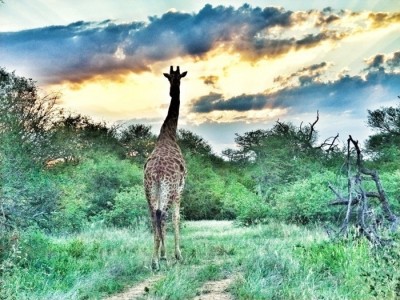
(152, 195)
(161, 216)
(155, 259)
(176, 220)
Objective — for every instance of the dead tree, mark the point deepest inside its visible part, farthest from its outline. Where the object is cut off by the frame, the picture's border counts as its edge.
(360, 202)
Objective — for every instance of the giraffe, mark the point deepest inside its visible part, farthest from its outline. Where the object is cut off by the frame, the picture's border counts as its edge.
(164, 174)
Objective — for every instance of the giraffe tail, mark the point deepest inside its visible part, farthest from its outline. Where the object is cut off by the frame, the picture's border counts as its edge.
(160, 209)
(158, 220)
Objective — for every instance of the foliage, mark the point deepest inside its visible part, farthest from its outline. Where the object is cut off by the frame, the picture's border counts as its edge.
(384, 144)
(282, 155)
(112, 184)
(28, 194)
(391, 184)
(130, 208)
(305, 200)
(75, 137)
(25, 117)
(193, 143)
(138, 141)
(385, 120)
(248, 208)
(204, 191)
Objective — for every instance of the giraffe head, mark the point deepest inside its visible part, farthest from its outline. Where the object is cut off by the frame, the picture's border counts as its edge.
(174, 78)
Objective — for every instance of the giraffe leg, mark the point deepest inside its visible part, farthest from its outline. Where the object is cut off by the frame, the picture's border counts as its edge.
(155, 260)
(176, 219)
(163, 239)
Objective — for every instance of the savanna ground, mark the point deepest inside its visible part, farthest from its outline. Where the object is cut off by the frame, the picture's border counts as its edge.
(273, 261)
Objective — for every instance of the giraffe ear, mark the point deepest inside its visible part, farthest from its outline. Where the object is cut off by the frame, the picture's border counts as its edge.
(167, 75)
(183, 74)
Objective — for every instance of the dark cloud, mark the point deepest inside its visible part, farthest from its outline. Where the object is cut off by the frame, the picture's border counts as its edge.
(345, 93)
(394, 61)
(210, 80)
(82, 50)
(376, 61)
(382, 61)
(382, 19)
(215, 101)
(74, 52)
(326, 17)
(303, 76)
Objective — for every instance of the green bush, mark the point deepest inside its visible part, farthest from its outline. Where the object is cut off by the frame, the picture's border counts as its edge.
(130, 208)
(104, 178)
(28, 196)
(305, 200)
(391, 184)
(246, 206)
(71, 215)
(204, 191)
(99, 189)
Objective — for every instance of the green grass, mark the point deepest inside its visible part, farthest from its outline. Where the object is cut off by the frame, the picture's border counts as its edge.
(275, 261)
(88, 265)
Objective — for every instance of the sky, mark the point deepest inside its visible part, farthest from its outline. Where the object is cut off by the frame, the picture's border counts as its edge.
(249, 63)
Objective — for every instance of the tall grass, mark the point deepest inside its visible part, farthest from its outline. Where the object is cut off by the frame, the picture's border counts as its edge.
(87, 265)
(274, 261)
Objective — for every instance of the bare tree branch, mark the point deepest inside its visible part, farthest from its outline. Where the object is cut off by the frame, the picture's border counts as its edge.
(312, 127)
(357, 198)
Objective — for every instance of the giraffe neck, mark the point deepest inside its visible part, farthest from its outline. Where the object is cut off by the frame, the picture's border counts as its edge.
(169, 127)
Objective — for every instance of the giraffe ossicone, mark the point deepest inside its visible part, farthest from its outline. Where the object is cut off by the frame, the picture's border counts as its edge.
(164, 175)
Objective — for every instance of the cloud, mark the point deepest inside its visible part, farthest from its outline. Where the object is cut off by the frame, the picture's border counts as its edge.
(382, 61)
(376, 61)
(74, 52)
(383, 19)
(83, 50)
(394, 60)
(215, 101)
(304, 76)
(348, 93)
(210, 80)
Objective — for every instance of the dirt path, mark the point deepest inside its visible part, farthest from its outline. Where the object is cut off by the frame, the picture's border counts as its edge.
(213, 290)
(137, 291)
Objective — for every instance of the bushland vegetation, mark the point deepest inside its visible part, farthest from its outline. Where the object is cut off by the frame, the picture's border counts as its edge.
(72, 206)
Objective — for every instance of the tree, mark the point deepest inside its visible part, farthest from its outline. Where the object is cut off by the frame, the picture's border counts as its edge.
(25, 117)
(75, 136)
(282, 154)
(193, 143)
(27, 194)
(138, 141)
(385, 143)
(385, 120)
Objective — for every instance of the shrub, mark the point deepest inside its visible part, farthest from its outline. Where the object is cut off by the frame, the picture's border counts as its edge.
(204, 191)
(305, 200)
(130, 208)
(92, 190)
(391, 185)
(246, 206)
(108, 176)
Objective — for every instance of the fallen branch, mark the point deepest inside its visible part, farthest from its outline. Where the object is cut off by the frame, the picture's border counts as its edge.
(357, 199)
